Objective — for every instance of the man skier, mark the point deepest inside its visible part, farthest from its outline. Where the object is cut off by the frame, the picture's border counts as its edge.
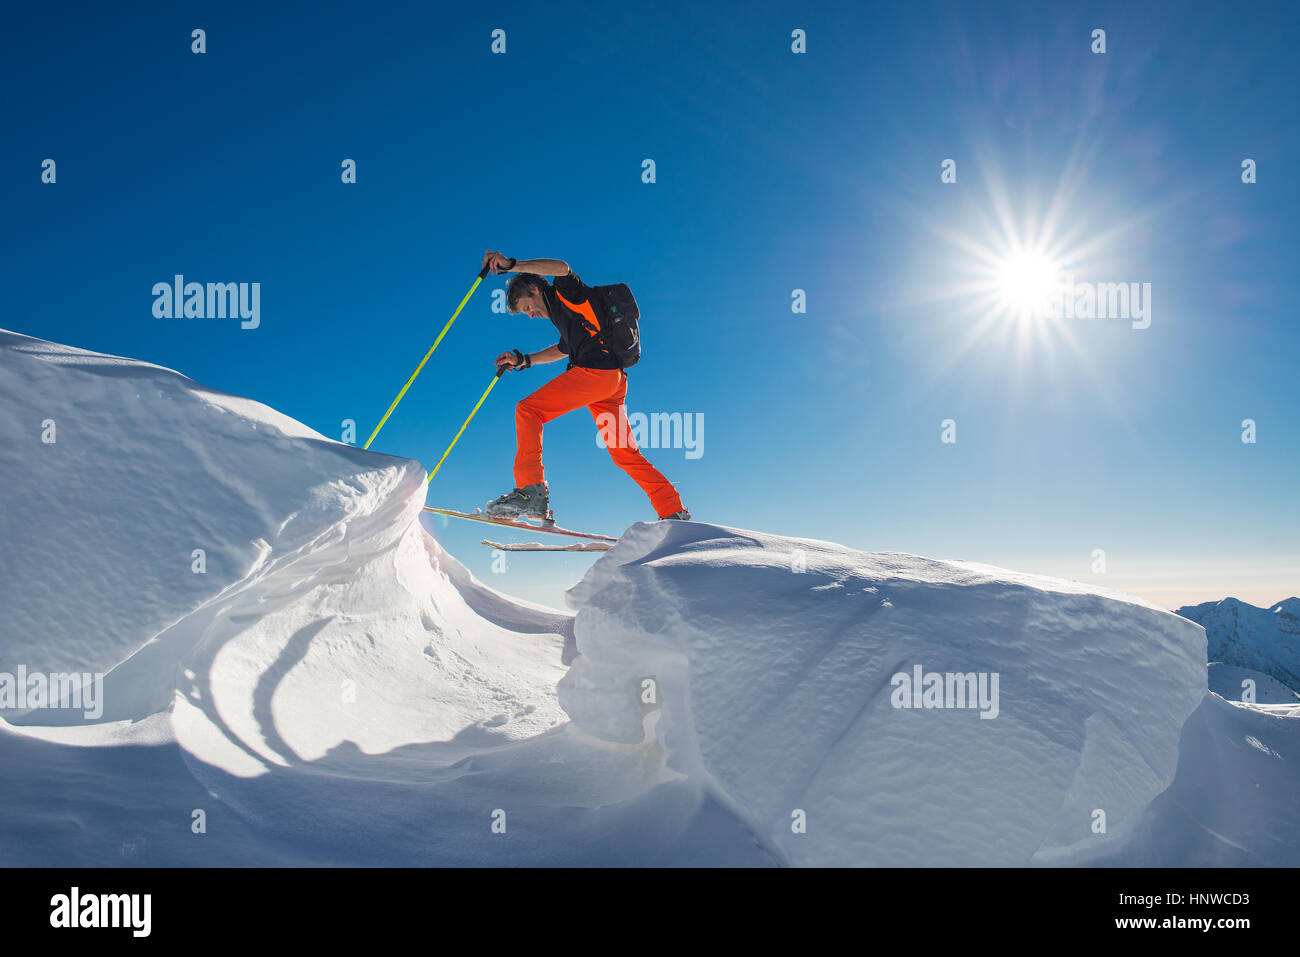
(593, 378)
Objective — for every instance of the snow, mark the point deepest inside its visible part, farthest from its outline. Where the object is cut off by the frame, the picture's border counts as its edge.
(333, 687)
(1230, 682)
(776, 690)
(1232, 803)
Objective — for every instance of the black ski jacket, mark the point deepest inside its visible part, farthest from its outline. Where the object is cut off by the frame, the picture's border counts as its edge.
(568, 300)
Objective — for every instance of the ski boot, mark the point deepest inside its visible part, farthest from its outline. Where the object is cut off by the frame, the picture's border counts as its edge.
(683, 516)
(531, 501)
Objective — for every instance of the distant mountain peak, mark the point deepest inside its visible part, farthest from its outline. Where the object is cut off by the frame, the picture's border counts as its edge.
(1246, 636)
(1288, 606)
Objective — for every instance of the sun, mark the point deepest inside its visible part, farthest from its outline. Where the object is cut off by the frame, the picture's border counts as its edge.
(1024, 281)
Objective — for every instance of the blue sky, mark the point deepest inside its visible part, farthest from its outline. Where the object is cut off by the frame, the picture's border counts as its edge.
(775, 172)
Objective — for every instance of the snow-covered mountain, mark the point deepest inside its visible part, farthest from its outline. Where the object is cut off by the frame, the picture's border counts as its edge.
(296, 672)
(1258, 639)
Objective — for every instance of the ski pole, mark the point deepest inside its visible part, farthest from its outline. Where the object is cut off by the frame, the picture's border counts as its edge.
(492, 385)
(482, 273)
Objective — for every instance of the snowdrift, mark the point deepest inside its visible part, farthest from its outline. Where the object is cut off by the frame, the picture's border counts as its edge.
(213, 558)
(1233, 801)
(284, 646)
(782, 664)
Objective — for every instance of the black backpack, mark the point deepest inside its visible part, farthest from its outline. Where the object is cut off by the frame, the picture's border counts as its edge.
(616, 308)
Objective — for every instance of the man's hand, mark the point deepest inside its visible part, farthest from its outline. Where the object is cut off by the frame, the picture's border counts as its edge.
(512, 360)
(496, 262)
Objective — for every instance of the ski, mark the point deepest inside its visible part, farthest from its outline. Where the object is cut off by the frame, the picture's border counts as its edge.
(550, 529)
(539, 547)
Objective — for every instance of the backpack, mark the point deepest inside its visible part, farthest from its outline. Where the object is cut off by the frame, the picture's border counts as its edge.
(616, 308)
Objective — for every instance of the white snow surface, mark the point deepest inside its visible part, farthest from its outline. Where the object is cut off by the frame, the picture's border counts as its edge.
(786, 706)
(332, 687)
(1236, 684)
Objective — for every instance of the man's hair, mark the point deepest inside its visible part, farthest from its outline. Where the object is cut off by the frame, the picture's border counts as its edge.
(520, 285)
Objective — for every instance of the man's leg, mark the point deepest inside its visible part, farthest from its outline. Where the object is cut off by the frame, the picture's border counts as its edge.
(611, 419)
(569, 390)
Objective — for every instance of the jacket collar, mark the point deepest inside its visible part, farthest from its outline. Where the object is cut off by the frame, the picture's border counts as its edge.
(553, 304)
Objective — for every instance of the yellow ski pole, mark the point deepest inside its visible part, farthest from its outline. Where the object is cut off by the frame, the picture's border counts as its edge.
(492, 385)
(481, 274)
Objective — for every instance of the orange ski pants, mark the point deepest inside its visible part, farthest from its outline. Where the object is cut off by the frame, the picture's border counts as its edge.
(603, 392)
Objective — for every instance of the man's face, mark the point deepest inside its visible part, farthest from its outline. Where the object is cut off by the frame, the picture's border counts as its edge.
(533, 305)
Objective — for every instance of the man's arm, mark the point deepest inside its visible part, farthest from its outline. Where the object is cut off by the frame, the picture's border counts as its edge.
(549, 354)
(542, 267)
